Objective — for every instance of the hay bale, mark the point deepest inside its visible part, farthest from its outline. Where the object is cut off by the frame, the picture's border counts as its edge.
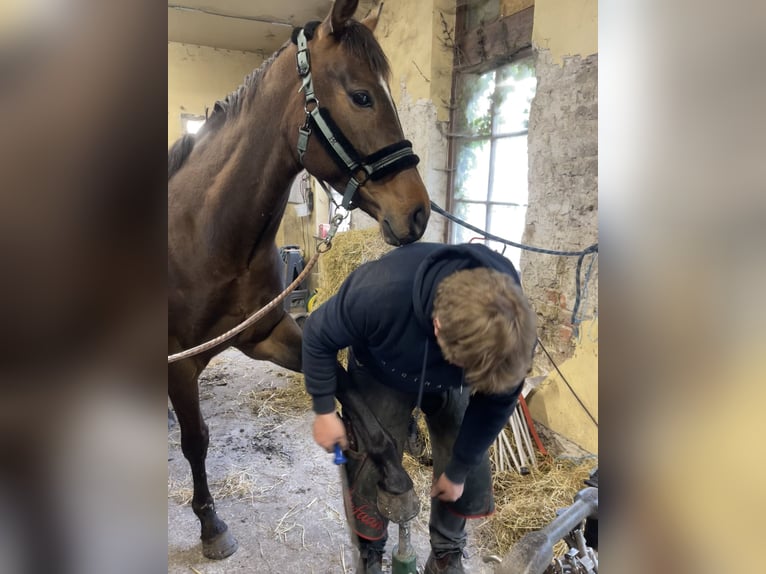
(527, 503)
(350, 249)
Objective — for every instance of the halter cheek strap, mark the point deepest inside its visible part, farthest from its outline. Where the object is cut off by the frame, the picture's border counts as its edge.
(386, 161)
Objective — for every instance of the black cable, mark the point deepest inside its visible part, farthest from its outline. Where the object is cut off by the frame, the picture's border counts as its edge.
(578, 287)
(579, 254)
(595, 422)
(592, 249)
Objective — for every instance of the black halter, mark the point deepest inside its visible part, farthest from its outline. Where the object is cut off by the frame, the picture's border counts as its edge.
(390, 159)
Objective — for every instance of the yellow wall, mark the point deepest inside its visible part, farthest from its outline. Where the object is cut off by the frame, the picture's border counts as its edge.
(198, 76)
(566, 27)
(553, 404)
(508, 7)
(569, 28)
(411, 34)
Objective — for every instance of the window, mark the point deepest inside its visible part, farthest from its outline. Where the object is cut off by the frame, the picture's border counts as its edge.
(490, 152)
(493, 86)
(191, 123)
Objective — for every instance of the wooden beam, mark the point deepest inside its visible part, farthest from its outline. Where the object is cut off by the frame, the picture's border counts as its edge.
(508, 7)
(495, 43)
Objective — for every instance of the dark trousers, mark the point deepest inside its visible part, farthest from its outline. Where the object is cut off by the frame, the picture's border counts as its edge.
(443, 412)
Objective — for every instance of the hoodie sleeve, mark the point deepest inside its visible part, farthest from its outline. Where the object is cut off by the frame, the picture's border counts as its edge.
(330, 328)
(484, 418)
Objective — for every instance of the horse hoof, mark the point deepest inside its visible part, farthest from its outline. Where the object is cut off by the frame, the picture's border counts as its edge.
(220, 546)
(398, 508)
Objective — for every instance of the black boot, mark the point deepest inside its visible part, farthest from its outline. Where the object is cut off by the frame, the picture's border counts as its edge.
(370, 561)
(447, 563)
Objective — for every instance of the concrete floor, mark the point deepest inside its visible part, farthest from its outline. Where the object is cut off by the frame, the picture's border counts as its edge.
(288, 514)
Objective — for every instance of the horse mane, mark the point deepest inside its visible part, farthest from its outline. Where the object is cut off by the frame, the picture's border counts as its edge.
(223, 109)
(178, 153)
(356, 39)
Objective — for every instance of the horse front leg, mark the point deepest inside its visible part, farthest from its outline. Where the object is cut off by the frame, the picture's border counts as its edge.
(217, 541)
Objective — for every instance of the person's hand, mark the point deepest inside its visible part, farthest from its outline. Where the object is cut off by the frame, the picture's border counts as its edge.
(446, 490)
(329, 431)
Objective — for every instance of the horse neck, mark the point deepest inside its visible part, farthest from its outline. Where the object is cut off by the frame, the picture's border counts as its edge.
(247, 192)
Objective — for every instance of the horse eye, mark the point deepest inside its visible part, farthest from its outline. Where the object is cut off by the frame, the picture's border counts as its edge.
(362, 99)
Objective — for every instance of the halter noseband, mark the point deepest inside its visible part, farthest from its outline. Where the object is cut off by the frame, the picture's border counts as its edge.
(390, 159)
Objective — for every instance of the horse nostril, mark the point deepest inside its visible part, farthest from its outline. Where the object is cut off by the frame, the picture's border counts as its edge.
(419, 218)
(388, 234)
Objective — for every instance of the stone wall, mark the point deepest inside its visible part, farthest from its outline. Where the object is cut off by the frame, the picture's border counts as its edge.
(563, 194)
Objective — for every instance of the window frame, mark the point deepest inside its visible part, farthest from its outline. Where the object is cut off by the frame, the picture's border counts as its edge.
(511, 40)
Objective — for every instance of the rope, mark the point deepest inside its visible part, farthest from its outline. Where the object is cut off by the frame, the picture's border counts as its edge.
(575, 319)
(323, 247)
(251, 319)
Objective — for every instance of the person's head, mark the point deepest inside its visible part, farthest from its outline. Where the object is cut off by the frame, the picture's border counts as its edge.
(484, 323)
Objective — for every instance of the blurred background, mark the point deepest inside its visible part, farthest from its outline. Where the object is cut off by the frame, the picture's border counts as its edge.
(83, 87)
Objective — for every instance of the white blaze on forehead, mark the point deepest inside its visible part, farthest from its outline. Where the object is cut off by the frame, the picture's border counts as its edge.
(387, 91)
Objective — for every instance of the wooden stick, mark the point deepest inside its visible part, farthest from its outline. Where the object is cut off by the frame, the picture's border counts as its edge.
(525, 435)
(519, 448)
(499, 453)
(510, 451)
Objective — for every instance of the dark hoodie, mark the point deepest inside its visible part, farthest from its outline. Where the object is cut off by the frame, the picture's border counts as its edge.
(383, 311)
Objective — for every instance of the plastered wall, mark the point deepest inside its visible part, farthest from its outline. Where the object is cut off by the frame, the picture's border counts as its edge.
(416, 39)
(198, 76)
(566, 28)
(563, 212)
(554, 404)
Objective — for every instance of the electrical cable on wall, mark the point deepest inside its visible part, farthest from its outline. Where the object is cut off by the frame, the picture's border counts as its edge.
(210, 12)
(593, 249)
(579, 254)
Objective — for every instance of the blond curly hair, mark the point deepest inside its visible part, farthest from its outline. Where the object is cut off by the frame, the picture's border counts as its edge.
(486, 326)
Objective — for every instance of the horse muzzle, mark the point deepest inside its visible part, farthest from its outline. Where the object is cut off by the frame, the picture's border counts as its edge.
(411, 231)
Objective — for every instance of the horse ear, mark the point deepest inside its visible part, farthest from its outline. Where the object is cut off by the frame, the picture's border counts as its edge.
(340, 13)
(371, 20)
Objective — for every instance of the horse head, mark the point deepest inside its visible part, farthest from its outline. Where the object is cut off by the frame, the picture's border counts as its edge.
(349, 132)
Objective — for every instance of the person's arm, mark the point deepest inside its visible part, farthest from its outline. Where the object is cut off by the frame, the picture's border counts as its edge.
(484, 418)
(327, 330)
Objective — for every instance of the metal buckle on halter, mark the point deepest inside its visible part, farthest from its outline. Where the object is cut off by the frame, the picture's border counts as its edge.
(303, 58)
(347, 158)
(312, 99)
(304, 133)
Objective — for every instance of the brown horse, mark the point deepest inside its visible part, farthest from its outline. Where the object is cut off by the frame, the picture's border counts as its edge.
(228, 188)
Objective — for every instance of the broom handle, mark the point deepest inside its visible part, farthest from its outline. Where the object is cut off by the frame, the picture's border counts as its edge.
(510, 451)
(525, 435)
